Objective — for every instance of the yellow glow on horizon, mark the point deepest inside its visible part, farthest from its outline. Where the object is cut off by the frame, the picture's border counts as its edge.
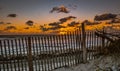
(35, 29)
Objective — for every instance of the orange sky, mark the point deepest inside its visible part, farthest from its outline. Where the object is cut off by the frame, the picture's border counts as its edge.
(39, 12)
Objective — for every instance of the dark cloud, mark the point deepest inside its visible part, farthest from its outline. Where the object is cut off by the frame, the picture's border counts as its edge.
(12, 15)
(54, 24)
(26, 28)
(87, 22)
(113, 21)
(61, 9)
(56, 27)
(103, 17)
(62, 20)
(95, 23)
(10, 27)
(43, 28)
(72, 24)
(1, 22)
(5, 23)
(30, 23)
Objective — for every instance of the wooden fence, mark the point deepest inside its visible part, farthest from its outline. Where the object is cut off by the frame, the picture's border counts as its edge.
(47, 52)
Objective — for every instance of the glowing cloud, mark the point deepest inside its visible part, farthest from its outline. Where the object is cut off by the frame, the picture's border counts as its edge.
(10, 27)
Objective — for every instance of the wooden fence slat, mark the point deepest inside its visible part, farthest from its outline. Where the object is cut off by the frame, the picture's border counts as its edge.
(30, 60)
(25, 55)
(37, 51)
(2, 54)
(43, 48)
(6, 55)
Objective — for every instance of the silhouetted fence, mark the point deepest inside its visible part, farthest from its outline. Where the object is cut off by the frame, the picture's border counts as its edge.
(47, 52)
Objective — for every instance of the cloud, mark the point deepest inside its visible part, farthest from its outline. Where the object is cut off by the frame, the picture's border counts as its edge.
(30, 23)
(103, 17)
(62, 20)
(26, 28)
(72, 24)
(113, 21)
(1, 22)
(10, 27)
(54, 24)
(12, 15)
(43, 28)
(61, 9)
(87, 22)
(5, 23)
(56, 27)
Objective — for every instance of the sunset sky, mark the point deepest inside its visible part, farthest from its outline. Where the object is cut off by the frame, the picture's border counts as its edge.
(39, 10)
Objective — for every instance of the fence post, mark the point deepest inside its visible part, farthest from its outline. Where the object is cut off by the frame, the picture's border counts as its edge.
(103, 39)
(83, 44)
(30, 60)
